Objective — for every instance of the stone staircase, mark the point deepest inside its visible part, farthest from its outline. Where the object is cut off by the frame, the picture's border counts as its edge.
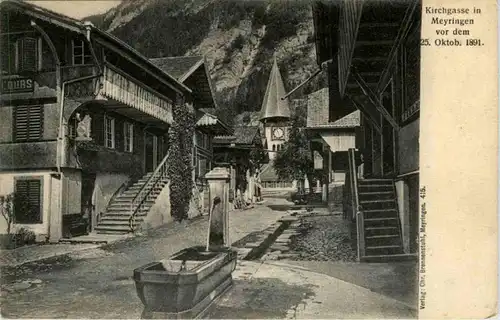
(382, 230)
(116, 219)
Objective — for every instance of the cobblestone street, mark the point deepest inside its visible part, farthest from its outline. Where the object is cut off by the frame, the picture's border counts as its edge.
(97, 283)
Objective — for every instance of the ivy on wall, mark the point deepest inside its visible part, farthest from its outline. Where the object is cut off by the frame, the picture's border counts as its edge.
(180, 165)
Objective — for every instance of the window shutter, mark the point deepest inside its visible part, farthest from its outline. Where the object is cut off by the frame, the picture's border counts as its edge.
(98, 129)
(28, 123)
(28, 55)
(27, 206)
(8, 53)
(119, 135)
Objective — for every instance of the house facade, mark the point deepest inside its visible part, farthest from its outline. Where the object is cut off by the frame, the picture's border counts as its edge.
(84, 127)
(371, 52)
(331, 140)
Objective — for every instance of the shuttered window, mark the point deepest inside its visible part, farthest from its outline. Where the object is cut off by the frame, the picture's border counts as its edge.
(28, 55)
(20, 55)
(8, 55)
(27, 201)
(28, 123)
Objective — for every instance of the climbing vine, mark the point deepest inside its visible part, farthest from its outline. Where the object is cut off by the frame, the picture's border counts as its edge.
(180, 165)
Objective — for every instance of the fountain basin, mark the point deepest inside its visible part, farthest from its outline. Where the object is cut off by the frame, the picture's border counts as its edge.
(169, 292)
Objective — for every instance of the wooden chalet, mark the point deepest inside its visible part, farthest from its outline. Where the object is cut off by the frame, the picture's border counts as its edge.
(84, 123)
(371, 52)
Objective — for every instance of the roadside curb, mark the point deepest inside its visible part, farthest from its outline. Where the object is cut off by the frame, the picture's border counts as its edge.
(272, 234)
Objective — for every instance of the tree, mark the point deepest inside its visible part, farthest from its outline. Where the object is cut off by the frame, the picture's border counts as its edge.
(295, 161)
(7, 210)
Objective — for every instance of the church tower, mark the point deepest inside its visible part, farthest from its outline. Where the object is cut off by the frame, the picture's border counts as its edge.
(275, 112)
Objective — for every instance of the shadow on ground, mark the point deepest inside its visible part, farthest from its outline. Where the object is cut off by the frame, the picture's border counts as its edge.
(397, 280)
(259, 298)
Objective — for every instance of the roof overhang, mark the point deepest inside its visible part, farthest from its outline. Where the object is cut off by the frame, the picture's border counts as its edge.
(109, 41)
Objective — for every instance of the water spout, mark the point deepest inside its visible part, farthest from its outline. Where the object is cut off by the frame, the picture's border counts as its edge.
(216, 201)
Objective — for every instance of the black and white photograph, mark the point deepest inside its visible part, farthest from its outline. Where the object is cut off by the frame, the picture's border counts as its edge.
(214, 159)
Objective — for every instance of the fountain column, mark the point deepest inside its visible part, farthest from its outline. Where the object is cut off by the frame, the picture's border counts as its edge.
(218, 182)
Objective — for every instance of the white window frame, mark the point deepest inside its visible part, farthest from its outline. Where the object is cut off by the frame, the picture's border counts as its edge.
(109, 143)
(128, 137)
(84, 57)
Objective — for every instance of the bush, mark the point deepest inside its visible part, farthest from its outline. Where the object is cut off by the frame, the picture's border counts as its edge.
(22, 237)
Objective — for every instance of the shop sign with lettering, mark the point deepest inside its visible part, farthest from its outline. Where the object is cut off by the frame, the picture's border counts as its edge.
(16, 85)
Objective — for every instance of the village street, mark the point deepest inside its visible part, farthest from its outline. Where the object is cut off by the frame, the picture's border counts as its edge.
(98, 284)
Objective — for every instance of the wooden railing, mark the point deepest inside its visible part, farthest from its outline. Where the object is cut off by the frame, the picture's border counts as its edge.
(352, 208)
(348, 31)
(131, 92)
(145, 193)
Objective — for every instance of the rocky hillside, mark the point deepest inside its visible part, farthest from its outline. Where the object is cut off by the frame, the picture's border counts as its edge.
(239, 39)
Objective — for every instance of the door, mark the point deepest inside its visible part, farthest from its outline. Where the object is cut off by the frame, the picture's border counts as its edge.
(150, 152)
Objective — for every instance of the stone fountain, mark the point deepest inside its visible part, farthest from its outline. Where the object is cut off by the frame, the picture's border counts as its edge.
(185, 284)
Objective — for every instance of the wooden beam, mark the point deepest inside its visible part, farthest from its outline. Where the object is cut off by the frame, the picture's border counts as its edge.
(373, 98)
(405, 26)
(366, 114)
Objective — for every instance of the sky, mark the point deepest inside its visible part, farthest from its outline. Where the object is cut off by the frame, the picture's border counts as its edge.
(77, 8)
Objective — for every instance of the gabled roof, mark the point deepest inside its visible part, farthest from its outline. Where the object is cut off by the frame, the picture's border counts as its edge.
(179, 67)
(193, 72)
(241, 136)
(83, 28)
(272, 105)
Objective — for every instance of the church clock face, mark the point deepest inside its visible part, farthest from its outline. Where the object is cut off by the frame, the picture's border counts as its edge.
(278, 133)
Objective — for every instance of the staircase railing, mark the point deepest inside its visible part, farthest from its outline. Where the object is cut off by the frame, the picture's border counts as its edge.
(356, 209)
(144, 194)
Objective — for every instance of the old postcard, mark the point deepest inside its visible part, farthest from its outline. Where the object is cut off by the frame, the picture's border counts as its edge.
(234, 159)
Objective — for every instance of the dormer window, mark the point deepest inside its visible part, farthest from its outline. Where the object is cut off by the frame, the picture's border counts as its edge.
(81, 53)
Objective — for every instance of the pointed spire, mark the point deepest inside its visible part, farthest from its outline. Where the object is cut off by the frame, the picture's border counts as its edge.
(272, 105)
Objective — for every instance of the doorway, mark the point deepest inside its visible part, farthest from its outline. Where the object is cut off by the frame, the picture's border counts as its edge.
(150, 151)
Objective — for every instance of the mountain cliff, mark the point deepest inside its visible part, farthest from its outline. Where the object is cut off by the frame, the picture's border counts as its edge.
(239, 39)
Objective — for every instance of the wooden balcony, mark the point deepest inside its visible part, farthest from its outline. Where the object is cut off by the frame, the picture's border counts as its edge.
(132, 93)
